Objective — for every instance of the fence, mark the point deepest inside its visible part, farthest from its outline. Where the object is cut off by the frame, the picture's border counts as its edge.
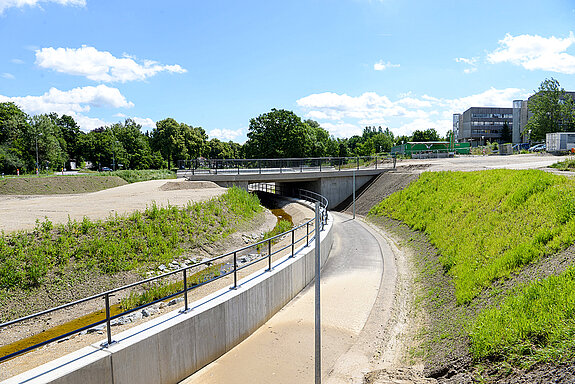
(184, 272)
(311, 164)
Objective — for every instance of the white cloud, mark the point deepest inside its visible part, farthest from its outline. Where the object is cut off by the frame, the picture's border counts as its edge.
(225, 134)
(73, 102)
(344, 115)
(472, 63)
(16, 61)
(5, 4)
(381, 65)
(145, 122)
(100, 65)
(536, 53)
(88, 123)
(8, 76)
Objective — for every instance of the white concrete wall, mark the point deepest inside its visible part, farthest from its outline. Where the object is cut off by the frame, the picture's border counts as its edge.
(175, 345)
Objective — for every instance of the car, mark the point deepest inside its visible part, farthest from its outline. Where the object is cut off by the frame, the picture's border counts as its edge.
(537, 148)
(106, 169)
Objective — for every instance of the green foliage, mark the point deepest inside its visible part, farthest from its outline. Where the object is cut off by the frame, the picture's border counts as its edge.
(553, 110)
(121, 243)
(427, 135)
(280, 134)
(281, 227)
(487, 224)
(565, 165)
(178, 141)
(134, 176)
(537, 324)
(156, 290)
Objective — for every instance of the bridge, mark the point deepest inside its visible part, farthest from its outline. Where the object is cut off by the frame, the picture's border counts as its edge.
(332, 177)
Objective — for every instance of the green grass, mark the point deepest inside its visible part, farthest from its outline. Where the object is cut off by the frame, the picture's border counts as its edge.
(565, 165)
(120, 243)
(134, 176)
(535, 325)
(488, 225)
(156, 291)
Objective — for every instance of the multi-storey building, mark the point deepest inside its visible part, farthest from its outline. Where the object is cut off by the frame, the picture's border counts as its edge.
(479, 125)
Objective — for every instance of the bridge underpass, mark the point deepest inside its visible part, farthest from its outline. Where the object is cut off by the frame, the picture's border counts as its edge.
(331, 180)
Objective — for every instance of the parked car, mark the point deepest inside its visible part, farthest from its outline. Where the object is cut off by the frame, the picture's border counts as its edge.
(106, 169)
(537, 148)
(520, 147)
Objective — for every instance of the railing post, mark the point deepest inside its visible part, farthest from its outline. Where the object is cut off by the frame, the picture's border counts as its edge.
(320, 165)
(307, 234)
(235, 270)
(260, 166)
(186, 290)
(270, 255)
(108, 323)
(357, 162)
(375, 161)
(238, 167)
(292, 243)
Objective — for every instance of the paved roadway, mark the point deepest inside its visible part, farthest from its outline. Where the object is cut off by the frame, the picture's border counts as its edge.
(282, 350)
(477, 163)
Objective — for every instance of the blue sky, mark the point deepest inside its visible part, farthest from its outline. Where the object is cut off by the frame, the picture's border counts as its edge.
(402, 64)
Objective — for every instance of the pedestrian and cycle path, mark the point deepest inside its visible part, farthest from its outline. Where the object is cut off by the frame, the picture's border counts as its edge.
(282, 350)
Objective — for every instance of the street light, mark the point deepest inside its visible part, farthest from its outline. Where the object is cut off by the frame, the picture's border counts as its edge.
(37, 162)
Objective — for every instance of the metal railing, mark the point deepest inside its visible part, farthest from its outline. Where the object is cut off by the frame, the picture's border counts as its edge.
(288, 165)
(264, 252)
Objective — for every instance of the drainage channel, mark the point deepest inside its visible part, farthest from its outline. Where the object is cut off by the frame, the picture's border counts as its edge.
(94, 317)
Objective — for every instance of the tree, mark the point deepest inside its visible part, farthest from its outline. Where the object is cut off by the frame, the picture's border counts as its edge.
(552, 110)
(14, 138)
(427, 135)
(506, 135)
(277, 134)
(46, 138)
(168, 138)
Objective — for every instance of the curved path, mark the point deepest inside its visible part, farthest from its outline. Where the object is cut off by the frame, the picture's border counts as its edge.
(282, 350)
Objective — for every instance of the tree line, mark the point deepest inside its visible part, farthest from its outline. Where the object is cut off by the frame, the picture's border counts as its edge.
(50, 142)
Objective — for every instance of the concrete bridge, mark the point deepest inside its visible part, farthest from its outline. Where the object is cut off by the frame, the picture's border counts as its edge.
(333, 178)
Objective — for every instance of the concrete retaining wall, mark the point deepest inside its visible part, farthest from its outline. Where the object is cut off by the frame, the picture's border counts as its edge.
(175, 345)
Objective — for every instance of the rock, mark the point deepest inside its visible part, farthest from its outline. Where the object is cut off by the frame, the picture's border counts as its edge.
(162, 267)
(97, 328)
(152, 310)
(176, 301)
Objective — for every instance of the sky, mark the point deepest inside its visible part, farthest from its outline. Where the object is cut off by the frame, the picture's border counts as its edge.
(401, 64)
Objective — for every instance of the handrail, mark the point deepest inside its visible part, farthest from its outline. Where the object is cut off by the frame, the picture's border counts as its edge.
(310, 235)
(287, 165)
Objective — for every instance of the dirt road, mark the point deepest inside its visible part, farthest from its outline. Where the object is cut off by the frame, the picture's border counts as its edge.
(21, 212)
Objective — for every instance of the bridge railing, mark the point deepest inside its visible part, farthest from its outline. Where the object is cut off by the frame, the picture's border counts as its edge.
(287, 165)
(184, 278)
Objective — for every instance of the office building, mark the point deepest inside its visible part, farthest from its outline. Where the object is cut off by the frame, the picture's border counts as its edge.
(479, 125)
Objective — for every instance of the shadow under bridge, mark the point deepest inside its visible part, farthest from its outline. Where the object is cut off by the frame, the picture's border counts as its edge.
(333, 178)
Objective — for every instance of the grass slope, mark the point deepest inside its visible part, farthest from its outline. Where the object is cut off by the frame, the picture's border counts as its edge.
(119, 244)
(57, 185)
(487, 226)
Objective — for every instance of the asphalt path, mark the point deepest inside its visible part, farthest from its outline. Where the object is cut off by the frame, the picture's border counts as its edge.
(282, 350)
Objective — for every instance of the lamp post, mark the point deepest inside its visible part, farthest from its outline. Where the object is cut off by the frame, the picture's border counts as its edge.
(37, 161)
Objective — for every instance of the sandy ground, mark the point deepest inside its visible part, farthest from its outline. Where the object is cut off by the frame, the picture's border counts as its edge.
(479, 163)
(362, 330)
(21, 212)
